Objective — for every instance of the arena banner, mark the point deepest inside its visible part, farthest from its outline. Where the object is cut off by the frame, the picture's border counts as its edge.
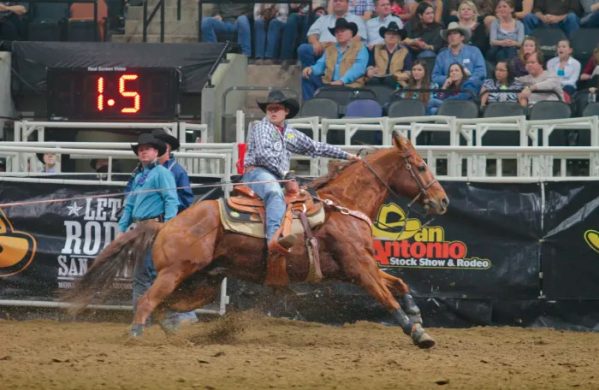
(570, 245)
(52, 238)
(486, 246)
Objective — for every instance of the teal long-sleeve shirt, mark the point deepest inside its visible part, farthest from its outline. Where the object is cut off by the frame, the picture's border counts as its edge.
(144, 202)
(357, 70)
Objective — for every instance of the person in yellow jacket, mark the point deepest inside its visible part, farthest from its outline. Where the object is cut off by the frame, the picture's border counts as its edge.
(391, 60)
(342, 64)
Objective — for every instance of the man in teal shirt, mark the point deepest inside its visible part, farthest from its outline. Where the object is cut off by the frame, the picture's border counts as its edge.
(153, 196)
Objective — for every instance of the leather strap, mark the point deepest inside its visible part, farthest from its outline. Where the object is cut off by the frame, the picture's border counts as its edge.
(312, 247)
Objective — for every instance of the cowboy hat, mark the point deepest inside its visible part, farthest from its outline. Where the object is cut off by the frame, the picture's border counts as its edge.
(343, 23)
(149, 139)
(162, 135)
(393, 28)
(455, 26)
(277, 96)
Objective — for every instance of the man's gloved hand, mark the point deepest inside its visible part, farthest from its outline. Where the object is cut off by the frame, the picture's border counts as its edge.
(291, 186)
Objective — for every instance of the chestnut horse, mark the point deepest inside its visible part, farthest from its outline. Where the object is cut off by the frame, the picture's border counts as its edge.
(194, 245)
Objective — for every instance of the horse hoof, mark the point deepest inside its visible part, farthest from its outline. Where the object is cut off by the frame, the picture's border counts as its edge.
(421, 338)
(137, 330)
(169, 326)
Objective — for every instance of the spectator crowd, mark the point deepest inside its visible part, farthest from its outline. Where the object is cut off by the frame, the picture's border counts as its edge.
(482, 50)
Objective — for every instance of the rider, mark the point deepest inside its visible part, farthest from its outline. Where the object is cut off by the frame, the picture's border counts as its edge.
(270, 144)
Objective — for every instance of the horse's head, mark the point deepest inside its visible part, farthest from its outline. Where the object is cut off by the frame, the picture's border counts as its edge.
(416, 180)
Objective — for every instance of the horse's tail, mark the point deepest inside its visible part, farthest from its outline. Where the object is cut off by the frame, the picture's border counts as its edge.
(129, 248)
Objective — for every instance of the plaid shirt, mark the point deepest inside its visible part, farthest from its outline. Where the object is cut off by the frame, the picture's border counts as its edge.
(268, 148)
(360, 7)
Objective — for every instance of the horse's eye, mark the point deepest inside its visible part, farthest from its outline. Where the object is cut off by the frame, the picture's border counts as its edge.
(422, 168)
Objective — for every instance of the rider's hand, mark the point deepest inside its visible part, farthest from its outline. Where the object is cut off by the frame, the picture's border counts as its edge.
(353, 157)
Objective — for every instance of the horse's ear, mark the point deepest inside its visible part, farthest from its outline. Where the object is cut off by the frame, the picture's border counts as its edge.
(400, 141)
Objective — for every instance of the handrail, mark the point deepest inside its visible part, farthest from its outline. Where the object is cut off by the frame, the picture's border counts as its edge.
(147, 20)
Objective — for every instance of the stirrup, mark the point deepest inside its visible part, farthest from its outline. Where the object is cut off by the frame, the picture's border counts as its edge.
(288, 241)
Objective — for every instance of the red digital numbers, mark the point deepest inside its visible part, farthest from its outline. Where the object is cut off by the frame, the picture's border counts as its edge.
(134, 103)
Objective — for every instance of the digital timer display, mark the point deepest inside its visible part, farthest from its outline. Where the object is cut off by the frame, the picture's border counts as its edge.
(117, 93)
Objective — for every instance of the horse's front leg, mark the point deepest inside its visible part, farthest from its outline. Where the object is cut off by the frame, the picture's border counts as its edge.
(356, 257)
(400, 288)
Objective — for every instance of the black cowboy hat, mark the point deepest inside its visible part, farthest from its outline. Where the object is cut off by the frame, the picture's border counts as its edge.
(393, 28)
(149, 139)
(343, 23)
(162, 135)
(277, 96)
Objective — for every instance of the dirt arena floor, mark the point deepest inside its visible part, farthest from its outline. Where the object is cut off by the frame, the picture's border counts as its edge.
(250, 351)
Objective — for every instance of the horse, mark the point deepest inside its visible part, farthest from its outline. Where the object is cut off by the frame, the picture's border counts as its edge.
(195, 248)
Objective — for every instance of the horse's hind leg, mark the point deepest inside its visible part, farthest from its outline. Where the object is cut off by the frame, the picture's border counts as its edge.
(408, 303)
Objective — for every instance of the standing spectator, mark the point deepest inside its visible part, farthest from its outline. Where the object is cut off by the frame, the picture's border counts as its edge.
(382, 19)
(492, 90)
(11, 21)
(419, 79)
(229, 17)
(565, 67)
(320, 36)
(591, 13)
(300, 18)
(152, 198)
(457, 52)
(556, 13)
(538, 79)
(469, 17)
(391, 60)
(269, 21)
(522, 8)
(361, 8)
(342, 64)
(424, 34)
(437, 5)
(507, 33)
(518, 63)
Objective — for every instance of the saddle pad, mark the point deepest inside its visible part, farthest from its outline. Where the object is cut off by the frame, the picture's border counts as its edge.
(237, 222)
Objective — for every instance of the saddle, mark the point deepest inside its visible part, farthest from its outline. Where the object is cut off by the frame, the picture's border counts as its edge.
(300, 208)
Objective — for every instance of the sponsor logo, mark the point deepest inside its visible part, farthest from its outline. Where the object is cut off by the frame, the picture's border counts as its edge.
(404, 242)
(90, 226)
(592, 239)
(17, 249)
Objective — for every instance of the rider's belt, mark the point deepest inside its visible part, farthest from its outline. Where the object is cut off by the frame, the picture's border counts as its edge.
(249, 168)
(159, 218)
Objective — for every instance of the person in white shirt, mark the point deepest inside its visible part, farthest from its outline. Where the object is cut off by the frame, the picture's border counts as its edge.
(382, 19)
(565, 67)
(320, 37)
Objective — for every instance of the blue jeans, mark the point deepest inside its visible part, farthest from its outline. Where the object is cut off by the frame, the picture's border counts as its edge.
(501, 53)
(297, 25)
(266, 43)
(590, 20)
(143, 276)
(306, 55)
(310, 85)
(211, 27)
(568, 25)
(272, 195)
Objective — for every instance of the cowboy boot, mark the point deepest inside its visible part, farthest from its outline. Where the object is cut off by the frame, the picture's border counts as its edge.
(276, 264)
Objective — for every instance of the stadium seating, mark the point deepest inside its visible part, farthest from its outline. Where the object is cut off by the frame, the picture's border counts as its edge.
(549, 109)
(365, 108)
(583, 42)
(383, 93)
(503, 109)
(81, 31)
(459, 108)
(322, 107)
(548, 38)
(591, 109)
(407, 107)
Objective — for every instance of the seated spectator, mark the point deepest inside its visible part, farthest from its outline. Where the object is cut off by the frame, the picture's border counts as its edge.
(49, 161)
(518, 63)
(382, 19)
(319, 34)
(419, 79)
(492, 89)
(468, 17)
(11, 21)
(522, 8)
(458, 85)
(437, 5)
(468, 56)
(538, 79)
(565, 67)
(342, 64)
(591, 13)
(424, 34)
(269, 21)
(485, 10)
(555, 13)
(590, 71)
(229, 17)
(298, 22)
(507, 33)
(390, 58)
(83, 11)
